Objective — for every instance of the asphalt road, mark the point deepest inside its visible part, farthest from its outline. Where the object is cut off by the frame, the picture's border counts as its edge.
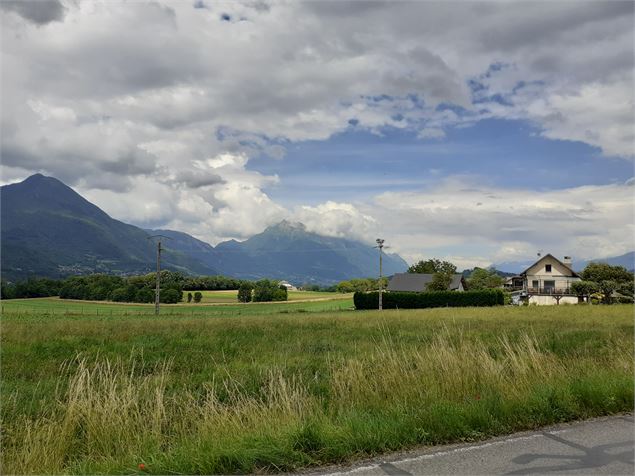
(602, 446)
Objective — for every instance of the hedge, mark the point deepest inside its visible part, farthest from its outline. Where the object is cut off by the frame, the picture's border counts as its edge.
(409, 300)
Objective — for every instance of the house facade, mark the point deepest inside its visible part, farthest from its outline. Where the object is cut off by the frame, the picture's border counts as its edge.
(546, 282)
(418, 282)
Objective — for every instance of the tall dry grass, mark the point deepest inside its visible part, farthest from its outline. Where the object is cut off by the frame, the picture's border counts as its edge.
(116, 414)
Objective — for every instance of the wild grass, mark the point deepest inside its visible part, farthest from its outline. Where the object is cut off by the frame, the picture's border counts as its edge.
(281, 392)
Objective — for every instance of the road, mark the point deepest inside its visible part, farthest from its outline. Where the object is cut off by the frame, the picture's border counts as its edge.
(601, 446)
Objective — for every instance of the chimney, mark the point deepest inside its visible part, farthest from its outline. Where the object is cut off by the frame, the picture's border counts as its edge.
(567, 261)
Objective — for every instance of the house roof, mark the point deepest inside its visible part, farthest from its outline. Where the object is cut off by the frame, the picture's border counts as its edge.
(417, 282)
(549, 255)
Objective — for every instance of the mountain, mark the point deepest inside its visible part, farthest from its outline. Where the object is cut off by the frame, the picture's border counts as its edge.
(180, 242)
(288, 251)
(48, 229)
(627, 260)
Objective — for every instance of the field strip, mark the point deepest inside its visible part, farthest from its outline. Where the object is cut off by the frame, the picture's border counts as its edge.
(179, 305)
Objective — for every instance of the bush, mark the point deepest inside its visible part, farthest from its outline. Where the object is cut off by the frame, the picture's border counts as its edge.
(145, 295)
(170, 296)
(407, 300)
(245, 292)
(119, 295)
(198, 296)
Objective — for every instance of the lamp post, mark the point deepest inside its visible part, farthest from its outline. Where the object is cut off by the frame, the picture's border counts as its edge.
(157, 289)
(380, 245)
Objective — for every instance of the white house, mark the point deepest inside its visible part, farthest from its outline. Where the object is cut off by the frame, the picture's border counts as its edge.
(288, 285)
(547, 281)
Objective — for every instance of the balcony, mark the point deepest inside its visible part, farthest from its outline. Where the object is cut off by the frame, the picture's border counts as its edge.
(551, 290)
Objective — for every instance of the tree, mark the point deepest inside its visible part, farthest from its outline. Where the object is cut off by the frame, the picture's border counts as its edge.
(603, 272)
(244, 292)
(198, 296)
(171, 296)
(145, 295)
(584, 289)
(432, 266)
(608, 278)
(266, 290)
(440, 282)
(484, 279)
(189, 297)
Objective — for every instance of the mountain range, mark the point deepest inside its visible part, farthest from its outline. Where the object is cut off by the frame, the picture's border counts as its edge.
(49, 230)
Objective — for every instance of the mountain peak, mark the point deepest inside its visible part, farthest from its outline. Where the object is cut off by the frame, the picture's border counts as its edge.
(287, 225)
(39, 179)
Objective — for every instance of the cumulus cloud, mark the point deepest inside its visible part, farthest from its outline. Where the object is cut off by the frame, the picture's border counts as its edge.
(155, 109)
(511, 224)
(39, 12)
(342, 220)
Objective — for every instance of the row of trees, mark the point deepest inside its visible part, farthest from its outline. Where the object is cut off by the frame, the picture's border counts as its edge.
(100, 287)
(211, 283)
(442, 273)
(264, 290)
(360, 285)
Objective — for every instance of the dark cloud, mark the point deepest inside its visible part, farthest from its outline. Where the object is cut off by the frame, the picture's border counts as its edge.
(36, 11)
(198, 179)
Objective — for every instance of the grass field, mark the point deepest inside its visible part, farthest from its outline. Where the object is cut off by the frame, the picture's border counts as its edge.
(279, 387)
(45, 307)
(231, 296)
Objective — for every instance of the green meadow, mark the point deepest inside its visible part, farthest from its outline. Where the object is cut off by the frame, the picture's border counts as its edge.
(102, 388)
(231, 296)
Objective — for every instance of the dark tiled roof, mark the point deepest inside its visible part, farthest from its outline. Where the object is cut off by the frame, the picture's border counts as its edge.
(417, 282)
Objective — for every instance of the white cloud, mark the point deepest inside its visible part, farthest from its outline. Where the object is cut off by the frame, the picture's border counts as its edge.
(154, 109)
(342, 220)
(512, 224)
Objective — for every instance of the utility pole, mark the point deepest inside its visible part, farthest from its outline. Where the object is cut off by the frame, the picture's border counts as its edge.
(380, 245)
(157, 289)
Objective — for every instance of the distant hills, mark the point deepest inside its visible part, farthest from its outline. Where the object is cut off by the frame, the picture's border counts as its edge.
(50, 230)
(287, 250)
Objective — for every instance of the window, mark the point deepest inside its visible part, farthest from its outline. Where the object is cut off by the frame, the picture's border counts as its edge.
(548, 268)
(534, 284)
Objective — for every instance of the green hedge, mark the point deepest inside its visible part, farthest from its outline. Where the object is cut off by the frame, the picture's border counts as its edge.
(406, 300)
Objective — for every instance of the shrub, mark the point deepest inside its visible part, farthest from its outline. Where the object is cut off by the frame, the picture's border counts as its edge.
(144, 295)
(119, 295)
(189, 297)
(408, 300)
(245, 292)
(198, 296)
(170, 296)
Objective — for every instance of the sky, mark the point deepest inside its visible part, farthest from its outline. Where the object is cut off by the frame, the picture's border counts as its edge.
(478, 132)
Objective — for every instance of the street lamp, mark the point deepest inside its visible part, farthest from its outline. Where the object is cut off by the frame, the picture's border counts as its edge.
(380, 245)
